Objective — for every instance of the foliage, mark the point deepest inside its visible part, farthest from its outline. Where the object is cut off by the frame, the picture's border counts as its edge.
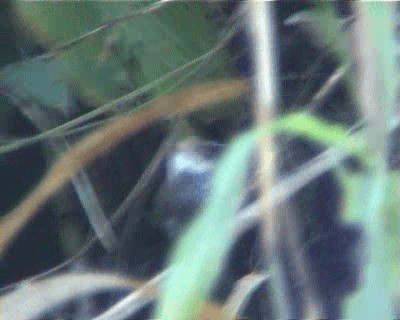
(134, 51)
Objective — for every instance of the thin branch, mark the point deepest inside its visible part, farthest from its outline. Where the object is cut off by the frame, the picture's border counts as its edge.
(261, 17)
(330, 84)
(104, 26)
(134, 302)
(81, 182)
(267, 101)
(33, 299)
(241, 294)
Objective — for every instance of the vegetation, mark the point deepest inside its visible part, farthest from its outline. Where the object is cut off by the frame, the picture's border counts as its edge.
(109, 90)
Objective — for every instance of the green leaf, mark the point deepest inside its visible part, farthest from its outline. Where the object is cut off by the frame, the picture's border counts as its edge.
(35, 80)
(128, 55)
